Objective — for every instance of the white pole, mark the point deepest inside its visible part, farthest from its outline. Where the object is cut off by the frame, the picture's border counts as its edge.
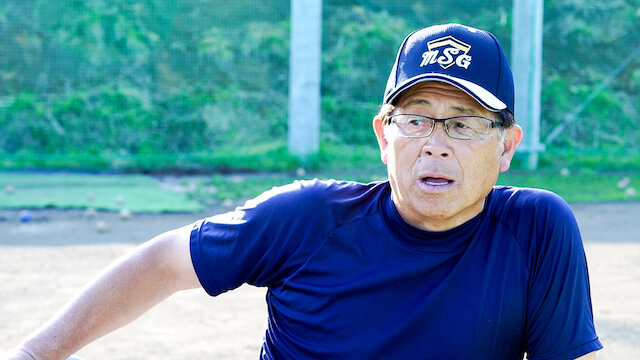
(304, 77)
(526, 58)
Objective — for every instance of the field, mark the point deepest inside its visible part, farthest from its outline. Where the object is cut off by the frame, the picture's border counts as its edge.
(45, 261)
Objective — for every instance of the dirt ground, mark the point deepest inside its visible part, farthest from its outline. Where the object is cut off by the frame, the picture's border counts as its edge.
(47, 260)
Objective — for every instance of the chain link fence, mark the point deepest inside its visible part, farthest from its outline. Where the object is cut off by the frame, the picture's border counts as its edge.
(158, 84)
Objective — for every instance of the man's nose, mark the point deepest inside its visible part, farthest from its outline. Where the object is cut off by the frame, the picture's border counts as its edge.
(438, 143)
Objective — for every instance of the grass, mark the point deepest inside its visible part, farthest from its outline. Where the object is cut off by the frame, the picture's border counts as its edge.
(249, 185)
(580, 185)
(576, 186)
(137, 193)
(144, 194)
(271, 156)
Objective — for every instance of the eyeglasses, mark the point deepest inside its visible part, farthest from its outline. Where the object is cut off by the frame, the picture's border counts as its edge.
(457, 127)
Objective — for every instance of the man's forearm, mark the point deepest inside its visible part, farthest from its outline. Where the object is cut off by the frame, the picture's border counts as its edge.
(589, 356)
(115, 297)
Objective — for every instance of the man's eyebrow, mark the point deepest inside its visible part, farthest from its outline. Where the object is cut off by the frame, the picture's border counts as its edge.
(466, 110)
(419, 102)
(398, 109)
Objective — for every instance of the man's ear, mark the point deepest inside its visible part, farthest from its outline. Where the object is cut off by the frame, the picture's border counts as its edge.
(512, 138)
(378, 128)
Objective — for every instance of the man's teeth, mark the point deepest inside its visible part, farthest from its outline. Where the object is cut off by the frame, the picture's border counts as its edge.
(438, 182)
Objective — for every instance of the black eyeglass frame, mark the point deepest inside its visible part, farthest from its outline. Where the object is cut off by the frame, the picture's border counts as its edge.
(492, 124)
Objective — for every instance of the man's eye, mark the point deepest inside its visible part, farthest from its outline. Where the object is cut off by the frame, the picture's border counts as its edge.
(460, 125)
(416, 122)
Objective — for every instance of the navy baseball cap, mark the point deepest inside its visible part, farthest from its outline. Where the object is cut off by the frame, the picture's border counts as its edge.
(470, 59)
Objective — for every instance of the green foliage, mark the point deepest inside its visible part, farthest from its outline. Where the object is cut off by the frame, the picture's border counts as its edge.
(592, 39)
(354, 34)
(159, 85)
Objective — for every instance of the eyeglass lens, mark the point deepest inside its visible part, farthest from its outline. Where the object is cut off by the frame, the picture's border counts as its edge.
(463, 127)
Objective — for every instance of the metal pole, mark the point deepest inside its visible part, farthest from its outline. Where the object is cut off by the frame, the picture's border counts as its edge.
(304, 78)
(526, 57)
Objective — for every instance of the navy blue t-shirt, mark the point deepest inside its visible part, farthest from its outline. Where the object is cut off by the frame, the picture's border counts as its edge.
(348, 278)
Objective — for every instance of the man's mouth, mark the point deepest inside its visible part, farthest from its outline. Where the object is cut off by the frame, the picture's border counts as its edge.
(435, 181)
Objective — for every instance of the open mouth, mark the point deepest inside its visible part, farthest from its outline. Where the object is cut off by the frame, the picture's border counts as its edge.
(434, 181)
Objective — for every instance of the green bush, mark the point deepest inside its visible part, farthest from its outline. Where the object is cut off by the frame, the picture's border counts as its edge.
(152, 86)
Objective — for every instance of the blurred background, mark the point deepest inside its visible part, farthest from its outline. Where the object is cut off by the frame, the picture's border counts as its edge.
(158, 86)
(110, 108)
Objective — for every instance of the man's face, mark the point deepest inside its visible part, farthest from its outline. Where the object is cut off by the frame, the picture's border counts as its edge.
(438, 182)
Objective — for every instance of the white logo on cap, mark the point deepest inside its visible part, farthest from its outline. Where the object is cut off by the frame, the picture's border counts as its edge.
(453, 50)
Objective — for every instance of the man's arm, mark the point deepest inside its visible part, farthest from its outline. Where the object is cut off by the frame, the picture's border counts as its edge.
(118, 295)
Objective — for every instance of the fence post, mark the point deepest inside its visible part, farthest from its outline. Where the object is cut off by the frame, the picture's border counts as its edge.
(304, 78)
(526, 58)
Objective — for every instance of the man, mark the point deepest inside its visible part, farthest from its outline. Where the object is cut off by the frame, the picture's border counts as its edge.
(436, 263)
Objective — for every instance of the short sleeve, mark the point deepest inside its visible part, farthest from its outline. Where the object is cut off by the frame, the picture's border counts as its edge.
(262, 242)
(559, 311)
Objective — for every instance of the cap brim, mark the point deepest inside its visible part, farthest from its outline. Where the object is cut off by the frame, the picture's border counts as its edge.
(483, 96)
